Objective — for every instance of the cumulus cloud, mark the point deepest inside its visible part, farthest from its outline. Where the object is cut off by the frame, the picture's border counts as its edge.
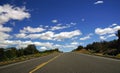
(108, 30)
(21, 35)
(37, 32)
(4, 32)
(74, 43)
(64, 35)
(104, 31)
(99, 2)
(8, 12)
(106, 37)
(103, 38)
(111, 35)
(29, 29)
(43, 48)
(33, 36)
(65, 46)
(5, 29)
(20, 44)
(4, 36)
(50, 35)
(113, 25)
(7, 43)
(86, 37)
(116, 28)
(45, 36)
(58, 46)
(44, 44)
(71, 46)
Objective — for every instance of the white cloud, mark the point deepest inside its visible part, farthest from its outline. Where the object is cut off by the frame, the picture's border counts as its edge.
(22, 44)
(57, 45)
(29, 29)
(69, 46)
(50, 35)
(116, 28)
(111, 35)
(107, 36)
(103, 38)
(5, 29)
(21, 35)
(34, 33)
(55, 21)
(86, 37)
(99, 2)
(4, 36)
(60, 26)
(8, 12)
(65, 46)
(47, 26)
(72, 24)
(3, 32)
(46, 44)
(64, 35)
(108, 30)
(104, 31)
(45, 36)
(33, 36)
(113, 25)
(74, 38)
(74, 43)
(7, 43)
(43, 48)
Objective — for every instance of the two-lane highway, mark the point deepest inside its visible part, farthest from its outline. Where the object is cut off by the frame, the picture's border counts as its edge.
(66, 63)
(26, 66)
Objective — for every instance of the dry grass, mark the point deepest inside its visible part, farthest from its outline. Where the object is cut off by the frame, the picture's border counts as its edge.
(97, 54)
(118, 56)
(23, 58)
(84, 51)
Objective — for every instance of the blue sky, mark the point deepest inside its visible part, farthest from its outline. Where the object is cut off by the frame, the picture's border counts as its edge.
(62, 24)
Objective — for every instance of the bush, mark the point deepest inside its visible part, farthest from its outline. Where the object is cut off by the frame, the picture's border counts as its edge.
(112, 52)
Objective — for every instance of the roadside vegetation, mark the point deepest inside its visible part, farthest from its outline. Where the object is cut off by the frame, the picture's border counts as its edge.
(103, 48)
(12, 55)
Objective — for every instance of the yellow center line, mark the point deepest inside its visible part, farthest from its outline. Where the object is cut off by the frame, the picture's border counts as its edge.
(43, 64)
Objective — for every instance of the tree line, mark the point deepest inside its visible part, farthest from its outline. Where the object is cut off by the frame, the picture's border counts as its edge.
(105, 47)
(12, 52)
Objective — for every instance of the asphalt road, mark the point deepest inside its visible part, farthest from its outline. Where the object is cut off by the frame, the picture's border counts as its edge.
(26, 66)
(65, 63)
